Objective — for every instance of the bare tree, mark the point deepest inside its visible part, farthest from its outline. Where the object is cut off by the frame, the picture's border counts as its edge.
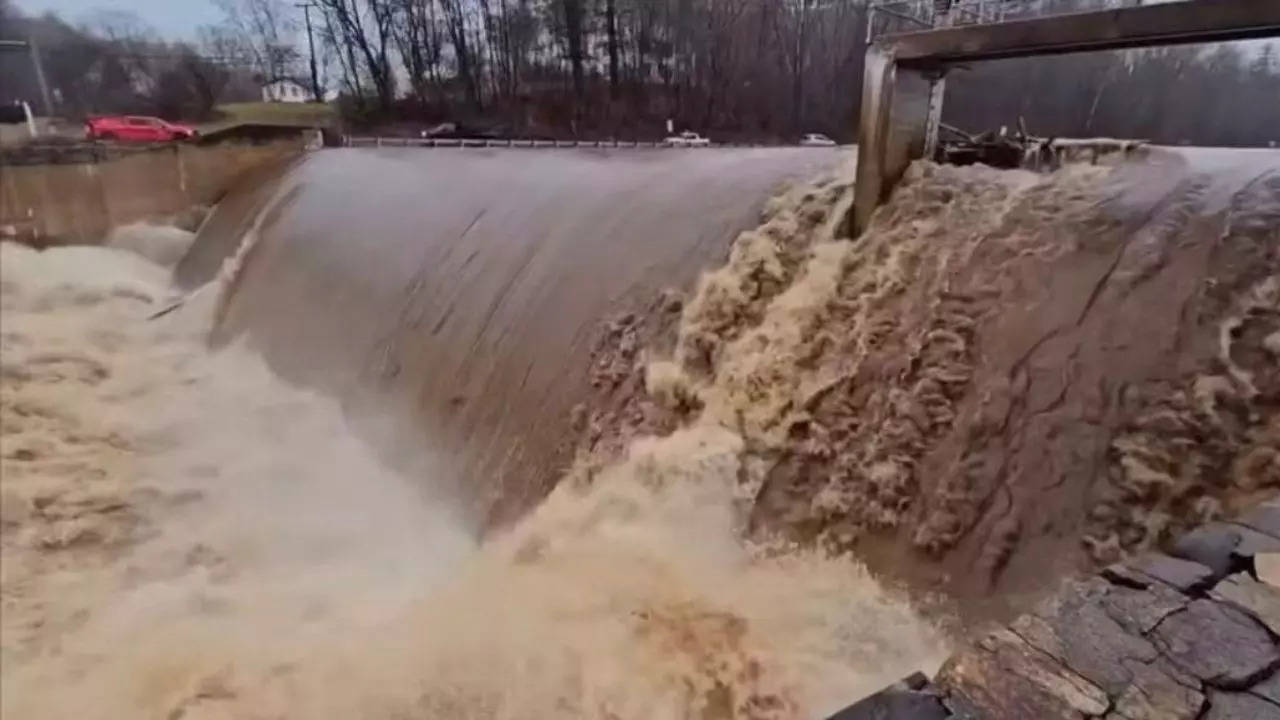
(758, 69)
(455, 20)
(130, 42)
(265, 33)
(417, 34)
(362, 30)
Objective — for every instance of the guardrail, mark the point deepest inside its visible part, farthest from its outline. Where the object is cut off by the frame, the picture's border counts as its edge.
(365, 141)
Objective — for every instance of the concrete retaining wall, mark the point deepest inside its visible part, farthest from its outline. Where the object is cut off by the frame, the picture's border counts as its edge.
(78, 201)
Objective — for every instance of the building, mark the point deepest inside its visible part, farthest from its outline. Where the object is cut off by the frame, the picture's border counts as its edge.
(285, 90)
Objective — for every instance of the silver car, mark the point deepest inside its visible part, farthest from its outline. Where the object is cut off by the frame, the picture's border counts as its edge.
(817, 140)
(687, 139)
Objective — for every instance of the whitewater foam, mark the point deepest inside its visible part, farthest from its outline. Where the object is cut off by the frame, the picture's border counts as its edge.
(185, 536)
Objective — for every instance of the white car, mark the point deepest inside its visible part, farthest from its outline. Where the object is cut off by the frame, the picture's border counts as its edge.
(817, 140)
(687, 139)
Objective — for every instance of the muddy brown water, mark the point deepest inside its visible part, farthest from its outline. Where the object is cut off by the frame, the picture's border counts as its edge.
(461, 289)
(455, 297)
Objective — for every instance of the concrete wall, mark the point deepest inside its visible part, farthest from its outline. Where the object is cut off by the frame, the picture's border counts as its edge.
(78, 202)
(898, 107)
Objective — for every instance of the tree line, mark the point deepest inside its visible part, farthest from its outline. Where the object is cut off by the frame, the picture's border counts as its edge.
(1224, 94)
(762, 70)
(113, 63)
(757, 68)
(754, 69)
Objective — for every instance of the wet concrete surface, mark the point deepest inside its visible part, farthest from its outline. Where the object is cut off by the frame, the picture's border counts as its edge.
(461, 289)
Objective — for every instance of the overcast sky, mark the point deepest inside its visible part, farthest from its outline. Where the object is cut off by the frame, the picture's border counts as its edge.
(172, 19)
(178, 19)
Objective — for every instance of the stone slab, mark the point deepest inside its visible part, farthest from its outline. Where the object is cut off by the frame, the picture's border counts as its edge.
(1269, 688)
(1240, 706)
(1267, 565)
(894, 704)
(1258, 599)
(906, 699)
(1217, 644)
(1157, 693)
(1212, 546)
(1005, 677)
(1252, 542)
(1265, 519)
(1125, 576)
(1140, 611)
(1179, 573)
(1078, 630)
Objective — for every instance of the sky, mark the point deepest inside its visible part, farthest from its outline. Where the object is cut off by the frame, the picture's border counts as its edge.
(172, 19)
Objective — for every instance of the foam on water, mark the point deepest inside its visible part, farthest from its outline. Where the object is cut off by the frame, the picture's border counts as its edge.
(186, 536)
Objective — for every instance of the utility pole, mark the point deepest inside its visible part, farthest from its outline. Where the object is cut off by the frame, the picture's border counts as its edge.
(34, 51)
(311, 45)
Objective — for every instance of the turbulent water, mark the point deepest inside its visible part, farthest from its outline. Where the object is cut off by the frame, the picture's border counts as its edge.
(186, 536)
(1009, 378)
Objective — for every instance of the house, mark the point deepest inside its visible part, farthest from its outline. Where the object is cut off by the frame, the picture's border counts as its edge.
(285, 90)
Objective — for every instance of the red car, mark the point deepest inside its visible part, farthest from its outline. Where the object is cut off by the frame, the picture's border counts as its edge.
(136, 128)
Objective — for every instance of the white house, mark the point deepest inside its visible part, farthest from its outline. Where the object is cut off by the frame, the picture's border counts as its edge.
(285, 91)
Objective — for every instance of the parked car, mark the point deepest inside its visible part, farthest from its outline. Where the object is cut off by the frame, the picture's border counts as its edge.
(136, 128)
(687, 139)
(817, 140)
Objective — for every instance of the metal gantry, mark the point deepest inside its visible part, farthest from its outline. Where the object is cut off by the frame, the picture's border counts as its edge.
(893, 17)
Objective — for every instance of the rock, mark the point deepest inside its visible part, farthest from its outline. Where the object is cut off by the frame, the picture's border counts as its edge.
(1125, 576)
(1217, 644)
(1077, 630)
(1258, 599)
(1157, 694)
(915, 681)
(1240, 706)
(1269, 688)
(1211, 546)
(1185, 575)
(1267, 565)
(906, 699)
(1139, 611)
(896, 704)
(1265, 519)
(1253, 542)
(1006, 678)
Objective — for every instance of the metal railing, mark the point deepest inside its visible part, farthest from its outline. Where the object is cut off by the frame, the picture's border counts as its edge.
(373, 141)
(893, 17)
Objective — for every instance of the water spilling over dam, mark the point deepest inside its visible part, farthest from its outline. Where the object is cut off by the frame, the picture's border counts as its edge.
(465, 289)
(612, 461)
